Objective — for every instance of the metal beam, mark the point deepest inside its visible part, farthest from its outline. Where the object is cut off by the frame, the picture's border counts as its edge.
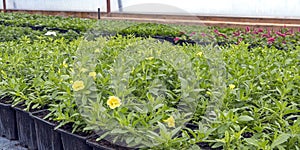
(120, 5)
(99, 13)
(4, 5)
(108, 6)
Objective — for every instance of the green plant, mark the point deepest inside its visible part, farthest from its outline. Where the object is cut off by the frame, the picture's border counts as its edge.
(260, 101)
(151, 29)
(151, 98)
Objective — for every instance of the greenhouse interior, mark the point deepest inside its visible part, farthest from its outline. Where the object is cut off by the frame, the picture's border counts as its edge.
(150, 74)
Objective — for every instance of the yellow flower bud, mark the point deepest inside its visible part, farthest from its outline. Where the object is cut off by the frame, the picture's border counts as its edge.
(200, 54)
(97, 50)
(149, 58)
(65, 64)
(93, 74)
(208, 93)
(170, 121)
(231, 86)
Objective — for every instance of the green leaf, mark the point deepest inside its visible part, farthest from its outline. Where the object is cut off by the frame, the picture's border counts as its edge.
(158, 106)
(252, 141)
(102, 136)
(194, 147)
(219, 144)
(119, 131)
(137, 140)
(245, 118)
(288, 61)
(280, 139)
(175, 131)
(129, 140)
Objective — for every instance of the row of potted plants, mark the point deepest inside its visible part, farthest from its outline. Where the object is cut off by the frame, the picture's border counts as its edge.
(177, 34)
(53, 89)
(25, 97)
(281, 39)
(34, 132)
(260, 106)
(40, 21)
(14, 33)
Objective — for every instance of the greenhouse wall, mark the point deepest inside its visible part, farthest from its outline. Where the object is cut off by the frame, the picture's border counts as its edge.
(56, 5)
(239, 8)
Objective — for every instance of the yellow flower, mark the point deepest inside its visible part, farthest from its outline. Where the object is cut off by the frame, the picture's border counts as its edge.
(170, 121)
(78, 85)
(149, 58)
(65, 64)
(97, 50)
(208, 93)
(231, 86)
(93, 74)
(113, 102)
(199, 54)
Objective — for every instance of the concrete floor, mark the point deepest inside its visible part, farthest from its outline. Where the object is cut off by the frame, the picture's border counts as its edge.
(6, 144)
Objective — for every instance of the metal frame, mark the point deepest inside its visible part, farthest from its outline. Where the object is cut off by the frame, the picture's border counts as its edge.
(120, 5)
(107, 3)
(4, 5)
(108, 7)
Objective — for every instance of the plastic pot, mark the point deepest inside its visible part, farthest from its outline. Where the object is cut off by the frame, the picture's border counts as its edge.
(8, 125)
(164, 38)
(101, 145)
(26, 129)
(105, 145)
(72, 141)
(97, 145)
(47, 137)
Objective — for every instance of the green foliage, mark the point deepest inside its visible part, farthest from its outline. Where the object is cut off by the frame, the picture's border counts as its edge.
(259, 109)
(265, 101)
(151, 29)
(11, 33)
(26, 20)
